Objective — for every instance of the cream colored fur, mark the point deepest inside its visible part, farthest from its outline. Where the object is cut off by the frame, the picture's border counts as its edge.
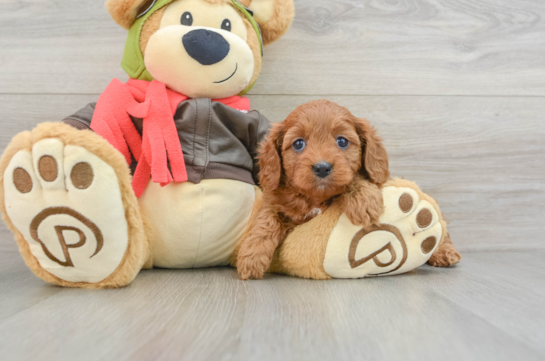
(195, 225)
(263, 10)
(103, 228)
(274, 25)
(196, 82)
(404, 255)
(138, 248)
(164, 55)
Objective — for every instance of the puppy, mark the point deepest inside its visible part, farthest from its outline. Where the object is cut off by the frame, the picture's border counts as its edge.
(319, 154)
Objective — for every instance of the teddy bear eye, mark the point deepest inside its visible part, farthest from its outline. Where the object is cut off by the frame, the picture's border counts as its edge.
(187, 19)
(342, 142)
(299, 145)
(226, 25)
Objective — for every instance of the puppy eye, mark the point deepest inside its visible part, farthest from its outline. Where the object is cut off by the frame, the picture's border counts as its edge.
(187, 19)
(226, 25)
(299, 145)
(342, 142)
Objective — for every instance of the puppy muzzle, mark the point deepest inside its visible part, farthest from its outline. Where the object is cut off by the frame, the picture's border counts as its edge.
(322, 169)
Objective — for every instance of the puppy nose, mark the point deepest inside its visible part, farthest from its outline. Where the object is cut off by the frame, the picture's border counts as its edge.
(322, 169)
(205, 46)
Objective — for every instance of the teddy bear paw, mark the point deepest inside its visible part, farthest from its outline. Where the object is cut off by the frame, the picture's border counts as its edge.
(407, 235)
(67, 204)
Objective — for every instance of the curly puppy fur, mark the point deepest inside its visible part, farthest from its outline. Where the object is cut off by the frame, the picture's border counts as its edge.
(446, 255)
(293, 194)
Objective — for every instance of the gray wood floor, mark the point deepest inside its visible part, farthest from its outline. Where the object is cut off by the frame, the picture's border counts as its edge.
(488, 308)
(457, 91)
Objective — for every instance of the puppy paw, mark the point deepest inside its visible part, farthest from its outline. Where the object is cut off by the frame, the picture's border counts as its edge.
(365, 215)
(364, 207)
(248, 269)
(445, 256)
(408, 232)
(251, 262)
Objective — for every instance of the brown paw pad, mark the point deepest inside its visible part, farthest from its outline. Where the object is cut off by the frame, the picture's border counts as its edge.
(22, 180)
(424, 218)
(82, 175)
(428, 244)
(47, 166)
(406, 202)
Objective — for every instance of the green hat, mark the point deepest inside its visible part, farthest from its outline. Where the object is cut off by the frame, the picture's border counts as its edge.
(133, 59)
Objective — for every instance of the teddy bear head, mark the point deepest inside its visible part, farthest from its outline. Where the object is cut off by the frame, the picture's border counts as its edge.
(200, 48)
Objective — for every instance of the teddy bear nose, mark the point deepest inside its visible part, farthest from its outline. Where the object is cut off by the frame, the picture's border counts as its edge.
(322, 169)
(205, 46)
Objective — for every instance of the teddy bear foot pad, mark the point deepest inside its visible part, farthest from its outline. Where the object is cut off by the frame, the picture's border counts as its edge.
(67, 204)
(409, 232)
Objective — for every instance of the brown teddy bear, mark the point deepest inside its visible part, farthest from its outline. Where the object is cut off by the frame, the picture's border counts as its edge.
(160, 171)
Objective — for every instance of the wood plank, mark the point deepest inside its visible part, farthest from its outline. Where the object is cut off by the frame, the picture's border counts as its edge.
(502, 289)
(420, 47)
(58, 47)
(26, 290)
(463, 313)
(482, 157)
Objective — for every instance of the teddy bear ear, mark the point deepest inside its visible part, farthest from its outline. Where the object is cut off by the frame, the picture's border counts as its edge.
(125, 12)
(273, 16)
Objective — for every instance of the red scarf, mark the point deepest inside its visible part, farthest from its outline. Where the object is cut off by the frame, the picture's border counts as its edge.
(159, 145)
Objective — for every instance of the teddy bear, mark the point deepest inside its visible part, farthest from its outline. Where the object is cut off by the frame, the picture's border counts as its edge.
(161, 171)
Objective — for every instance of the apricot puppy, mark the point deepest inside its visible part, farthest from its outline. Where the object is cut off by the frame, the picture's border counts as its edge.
(321, 152)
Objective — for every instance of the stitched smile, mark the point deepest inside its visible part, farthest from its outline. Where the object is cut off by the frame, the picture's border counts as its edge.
(230, 76)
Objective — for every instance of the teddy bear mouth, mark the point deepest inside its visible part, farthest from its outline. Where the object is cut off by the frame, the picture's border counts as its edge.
(229, 77)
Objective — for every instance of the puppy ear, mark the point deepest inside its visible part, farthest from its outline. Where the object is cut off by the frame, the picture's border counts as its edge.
(273, 16)
(374, 159)
(270, 163)
(124, 12)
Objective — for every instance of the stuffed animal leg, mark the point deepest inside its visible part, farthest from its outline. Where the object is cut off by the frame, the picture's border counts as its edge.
(411, 231)
(66, 195)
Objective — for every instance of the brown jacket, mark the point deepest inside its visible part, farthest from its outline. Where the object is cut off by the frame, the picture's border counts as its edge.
(217, 140)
